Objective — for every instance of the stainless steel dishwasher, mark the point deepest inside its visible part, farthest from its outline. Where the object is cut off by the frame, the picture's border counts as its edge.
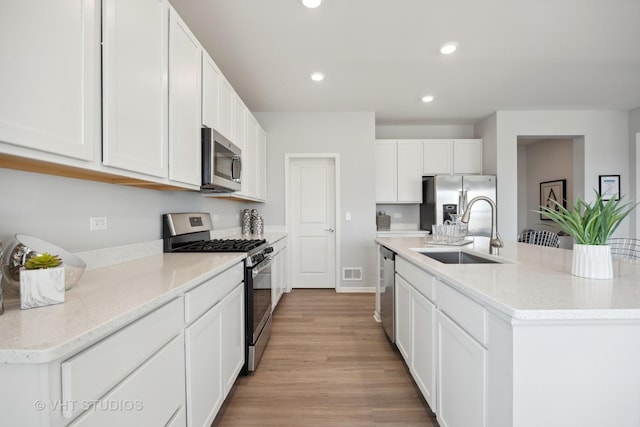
(387, 291)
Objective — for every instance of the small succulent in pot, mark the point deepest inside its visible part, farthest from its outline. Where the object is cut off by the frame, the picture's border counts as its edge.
(41, 261)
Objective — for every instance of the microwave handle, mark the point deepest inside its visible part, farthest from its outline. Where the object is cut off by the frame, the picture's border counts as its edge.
(236, 159)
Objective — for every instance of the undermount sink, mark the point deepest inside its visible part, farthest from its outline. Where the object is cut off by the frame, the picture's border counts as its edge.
(458, 257)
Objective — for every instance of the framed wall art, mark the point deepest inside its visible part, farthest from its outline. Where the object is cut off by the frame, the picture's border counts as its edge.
(553, 191)
(609, 187)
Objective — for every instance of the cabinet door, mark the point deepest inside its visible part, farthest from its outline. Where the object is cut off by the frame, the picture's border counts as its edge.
(467, 156)
(240, 113)
(50, 76)
(225, 108)
(261, 164)
(134, 83)
(233, 335)
(409, 171)
(205, 388)
(210, 92)
(249, 159)
(437, 156)
(423, 319)
(386, 171)
(185, 92)
(462, 378)
(403, 318)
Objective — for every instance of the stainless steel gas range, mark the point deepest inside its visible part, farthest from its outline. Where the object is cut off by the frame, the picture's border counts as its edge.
(191, 232)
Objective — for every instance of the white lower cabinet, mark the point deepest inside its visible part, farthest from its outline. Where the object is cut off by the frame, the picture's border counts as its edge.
(279, 271)
(232, 340)
(447, 362)
(204, 368)
(423, 366)
(462, 377)
(159, 405)
(403, 318)
(214, 355)
(415, 327)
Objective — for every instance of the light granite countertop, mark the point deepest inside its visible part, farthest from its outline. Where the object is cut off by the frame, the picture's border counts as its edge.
(534, 282)
(103, 301)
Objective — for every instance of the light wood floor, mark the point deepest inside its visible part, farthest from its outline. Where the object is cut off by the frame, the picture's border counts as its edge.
(328, 364)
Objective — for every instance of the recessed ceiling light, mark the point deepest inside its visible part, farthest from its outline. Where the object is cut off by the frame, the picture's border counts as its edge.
(311, 4)
(317, 76)
(448, 48)
(428, 98)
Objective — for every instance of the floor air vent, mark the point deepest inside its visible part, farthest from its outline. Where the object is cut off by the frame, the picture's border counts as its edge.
(352, 273)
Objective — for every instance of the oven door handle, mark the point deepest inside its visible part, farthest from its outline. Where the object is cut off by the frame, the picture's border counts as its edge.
(260, 267)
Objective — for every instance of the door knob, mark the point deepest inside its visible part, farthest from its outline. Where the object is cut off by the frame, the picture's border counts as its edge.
(329, 229)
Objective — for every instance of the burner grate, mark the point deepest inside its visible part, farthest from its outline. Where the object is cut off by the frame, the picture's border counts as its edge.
(223, 245)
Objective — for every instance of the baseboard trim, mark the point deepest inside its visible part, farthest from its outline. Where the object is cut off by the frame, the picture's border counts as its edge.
(362, 289)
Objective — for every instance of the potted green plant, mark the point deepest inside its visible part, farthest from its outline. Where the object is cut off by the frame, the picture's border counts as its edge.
(41, 281)
(591, 225)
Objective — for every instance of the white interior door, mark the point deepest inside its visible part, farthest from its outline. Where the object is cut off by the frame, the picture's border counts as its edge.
(312, 207)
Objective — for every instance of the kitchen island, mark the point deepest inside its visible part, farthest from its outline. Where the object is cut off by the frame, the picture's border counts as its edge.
(521, 342)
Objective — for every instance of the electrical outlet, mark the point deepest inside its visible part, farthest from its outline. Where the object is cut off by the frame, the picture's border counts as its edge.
(397, 215)
(347, 216)
(97, 223)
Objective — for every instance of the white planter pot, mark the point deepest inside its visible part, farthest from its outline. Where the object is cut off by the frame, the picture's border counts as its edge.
(41, 287)
(592, 261)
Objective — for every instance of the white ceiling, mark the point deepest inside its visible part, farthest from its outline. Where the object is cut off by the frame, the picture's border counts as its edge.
(383, 55)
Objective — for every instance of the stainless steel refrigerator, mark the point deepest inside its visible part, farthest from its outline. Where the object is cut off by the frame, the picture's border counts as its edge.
(444, 195)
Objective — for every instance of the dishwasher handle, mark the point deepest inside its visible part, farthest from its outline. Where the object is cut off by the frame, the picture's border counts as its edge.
(387, 253)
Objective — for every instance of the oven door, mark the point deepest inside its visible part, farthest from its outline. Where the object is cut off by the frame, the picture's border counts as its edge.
(261, 297)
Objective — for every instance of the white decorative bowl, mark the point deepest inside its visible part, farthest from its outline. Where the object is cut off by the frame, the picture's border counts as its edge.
(24, 247)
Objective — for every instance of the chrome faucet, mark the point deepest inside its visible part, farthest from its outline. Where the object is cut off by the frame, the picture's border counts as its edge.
(496, 242)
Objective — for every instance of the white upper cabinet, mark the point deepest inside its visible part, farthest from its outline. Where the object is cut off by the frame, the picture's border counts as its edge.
(386, 171)
(210, 92)
(261, 166)
(50, 76)
(250, 159)
(135, 88)
(437, 156)
(457, 156)
(185, 92)
(240, 113)
(398, 171)
(226, 109)
(467, 156)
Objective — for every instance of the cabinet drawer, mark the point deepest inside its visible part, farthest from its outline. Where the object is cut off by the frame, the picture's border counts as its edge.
(419, 279)
(470, 315)
(279, 245)
(135, 402)
(208, 294)
(91, 373)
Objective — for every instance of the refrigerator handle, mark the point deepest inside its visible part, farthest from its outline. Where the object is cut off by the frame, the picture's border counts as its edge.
(462, 201)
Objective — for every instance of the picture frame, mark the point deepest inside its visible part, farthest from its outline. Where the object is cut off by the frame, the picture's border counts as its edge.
(609, 187)
(553, 190)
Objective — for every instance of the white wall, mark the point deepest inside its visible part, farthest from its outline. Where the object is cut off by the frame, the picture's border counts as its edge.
(634, 128)
(57, 209)
(606, 151)
(487, 130)
(548, 160)
(352, 135)
(424, 132)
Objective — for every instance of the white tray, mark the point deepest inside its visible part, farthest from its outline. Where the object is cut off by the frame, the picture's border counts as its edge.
(458, 243)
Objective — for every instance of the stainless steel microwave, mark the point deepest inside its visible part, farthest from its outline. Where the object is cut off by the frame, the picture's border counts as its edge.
(221, 163)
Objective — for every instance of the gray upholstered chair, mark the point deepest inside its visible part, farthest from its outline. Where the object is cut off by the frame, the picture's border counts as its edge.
(540, 238)
(625, 247)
